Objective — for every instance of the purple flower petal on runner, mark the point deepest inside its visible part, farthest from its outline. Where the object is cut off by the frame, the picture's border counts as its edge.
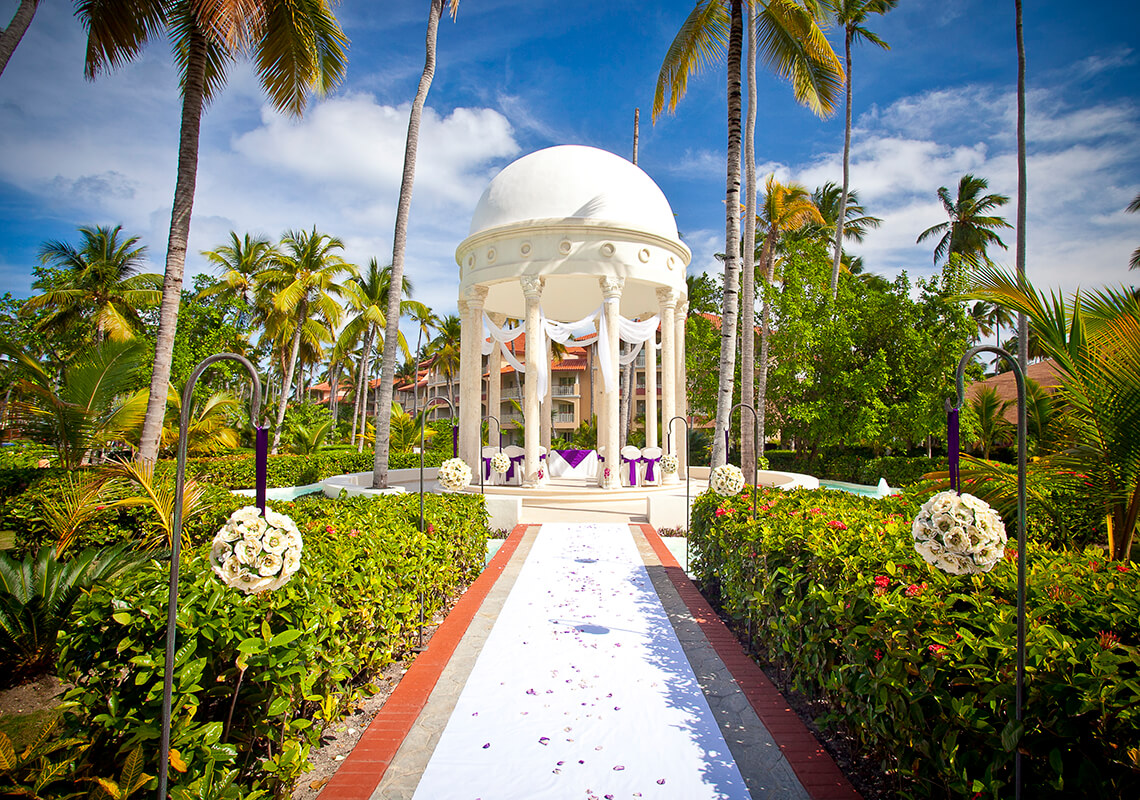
(488, 744)
(661, 781)
(618, 768)
(544, 740)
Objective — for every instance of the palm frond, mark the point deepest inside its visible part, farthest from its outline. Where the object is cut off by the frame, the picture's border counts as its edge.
(701, 42)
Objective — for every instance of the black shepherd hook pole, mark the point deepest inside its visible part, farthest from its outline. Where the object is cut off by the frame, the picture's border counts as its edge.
(262, 446)
(423, 421)
(499, 429)
(1022, 566)
(755, 447)
(688, 472)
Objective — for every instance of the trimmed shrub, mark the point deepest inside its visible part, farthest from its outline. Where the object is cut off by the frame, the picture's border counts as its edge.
(918, 665)
(259, 677)
(900, 470)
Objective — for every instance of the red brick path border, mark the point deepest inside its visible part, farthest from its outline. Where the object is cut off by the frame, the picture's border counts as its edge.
(812, 764)
(358, 775)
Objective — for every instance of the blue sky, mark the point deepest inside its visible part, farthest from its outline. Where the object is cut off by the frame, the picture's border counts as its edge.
(515, 76)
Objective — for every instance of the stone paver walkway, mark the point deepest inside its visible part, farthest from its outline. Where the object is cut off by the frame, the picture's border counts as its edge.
(776, 756)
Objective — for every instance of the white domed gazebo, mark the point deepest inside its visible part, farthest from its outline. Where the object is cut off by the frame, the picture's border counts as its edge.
(571, 240)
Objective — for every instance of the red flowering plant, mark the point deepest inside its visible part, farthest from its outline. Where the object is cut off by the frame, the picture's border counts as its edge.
(919, 663)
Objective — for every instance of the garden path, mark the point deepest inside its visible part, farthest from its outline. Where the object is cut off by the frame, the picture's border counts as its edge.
(584, 664)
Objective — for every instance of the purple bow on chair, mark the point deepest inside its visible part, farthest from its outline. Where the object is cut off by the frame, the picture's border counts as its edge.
(649, 462)
(511, 469)
(633, 462)
(487, 467)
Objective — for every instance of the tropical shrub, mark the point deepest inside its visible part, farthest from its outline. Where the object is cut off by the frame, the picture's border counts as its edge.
(899, 470)
(36, 598)
(916, 665)
(258, 677)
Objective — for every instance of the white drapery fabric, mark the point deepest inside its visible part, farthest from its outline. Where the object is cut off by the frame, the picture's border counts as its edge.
(635, 332)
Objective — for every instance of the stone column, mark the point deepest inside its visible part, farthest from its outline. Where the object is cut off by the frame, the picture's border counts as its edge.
(532, 291)
(470, 373)
(682, 398)
(667, 299)
(611, 302)
(600, 406)
(650, 350)
(495, 385)
(546, 409)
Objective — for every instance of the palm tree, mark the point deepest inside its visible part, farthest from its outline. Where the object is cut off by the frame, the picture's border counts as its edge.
(786, 207)
(103, 284)
(367, 295)
(851, 15)
(856, 221)
(792, 44)
(1134, 262)
(296, 48)
(210, 427)
(444, 351)
(10, 37)
(994, 429)
(90, 408)
(240, 262)
(426, 322)
(1095, 341)
(970, 229)
(303, 279)
(399, 246)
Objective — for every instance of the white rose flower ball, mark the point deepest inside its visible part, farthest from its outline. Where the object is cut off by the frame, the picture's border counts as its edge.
(727, 480)
(255, 553)
(960, 535)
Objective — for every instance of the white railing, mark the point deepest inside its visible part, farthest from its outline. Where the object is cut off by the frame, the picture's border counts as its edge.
(564, 418)
(565, 391)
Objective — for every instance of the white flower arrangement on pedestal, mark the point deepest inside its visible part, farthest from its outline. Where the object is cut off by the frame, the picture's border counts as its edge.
(454, 475)
(500, 462)
(959, 534)
(727, 480)
(255, 553)
(669, 464)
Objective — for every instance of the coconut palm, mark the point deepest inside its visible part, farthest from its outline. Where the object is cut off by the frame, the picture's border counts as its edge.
(786, 208)
(296, 49)
(1095, 341)
(303, 280)
(10, 37)
(399, 244)
(790, 41)
(426, 322)
(211, 423)
(1134, 262)
(240, 262)
(851, 15)
(856, 221)
(970, 229)
(102, 285)
(367, 296)
(444, 352)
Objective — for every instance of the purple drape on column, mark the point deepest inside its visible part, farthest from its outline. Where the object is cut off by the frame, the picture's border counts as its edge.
(952, 448)
(454, 441)
(261, 463)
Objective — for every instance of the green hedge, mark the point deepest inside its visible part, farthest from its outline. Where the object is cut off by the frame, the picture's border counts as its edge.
(294, 659)
(917, 665)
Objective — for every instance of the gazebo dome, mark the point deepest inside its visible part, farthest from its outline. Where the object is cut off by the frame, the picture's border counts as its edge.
(572, 182)
(572, 215)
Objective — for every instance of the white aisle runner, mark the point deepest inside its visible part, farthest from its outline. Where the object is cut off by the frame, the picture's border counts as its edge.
(582, 689)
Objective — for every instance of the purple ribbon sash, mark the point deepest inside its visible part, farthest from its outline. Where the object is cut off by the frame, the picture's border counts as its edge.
(514, 460)
(633, 462)
(649, 462)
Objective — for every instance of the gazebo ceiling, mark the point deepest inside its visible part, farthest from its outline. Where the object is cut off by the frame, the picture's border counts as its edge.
(572, 214)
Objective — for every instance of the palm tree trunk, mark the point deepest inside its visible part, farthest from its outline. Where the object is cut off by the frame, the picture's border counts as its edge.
(838, 255)
(399, 245)
(365, 371)
(334, 404)
(290, 369)
(748, 429)
(176, 245)
(767, 262)
(1022, 329)
(10, 37)
(731, 244)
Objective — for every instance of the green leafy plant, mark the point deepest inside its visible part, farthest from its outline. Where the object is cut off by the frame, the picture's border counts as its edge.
(45, 768)
(36, 598)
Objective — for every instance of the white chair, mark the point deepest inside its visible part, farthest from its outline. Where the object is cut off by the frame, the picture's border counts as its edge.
(630, 461)
(651, 460)
(490, 477)
(518, 464)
